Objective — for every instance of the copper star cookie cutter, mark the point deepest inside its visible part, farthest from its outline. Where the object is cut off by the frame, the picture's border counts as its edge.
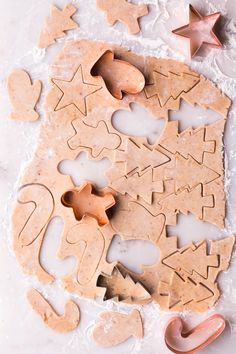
(197, 29)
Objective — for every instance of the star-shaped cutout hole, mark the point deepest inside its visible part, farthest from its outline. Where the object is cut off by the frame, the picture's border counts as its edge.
(200, 30)
(75, 92)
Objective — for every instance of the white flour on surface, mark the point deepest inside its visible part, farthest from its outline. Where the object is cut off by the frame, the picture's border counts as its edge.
(21, 330)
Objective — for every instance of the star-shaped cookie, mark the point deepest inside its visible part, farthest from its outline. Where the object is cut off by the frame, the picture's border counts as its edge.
(200, 30)
(75, 92)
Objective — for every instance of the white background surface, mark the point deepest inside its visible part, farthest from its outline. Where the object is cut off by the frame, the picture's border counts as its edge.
(21, 330)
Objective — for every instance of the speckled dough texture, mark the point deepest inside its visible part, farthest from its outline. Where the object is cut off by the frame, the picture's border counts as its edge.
(114, 328)
(148, 182)
(56, 24)
(124, 11)
(62, 324)
(23, 95)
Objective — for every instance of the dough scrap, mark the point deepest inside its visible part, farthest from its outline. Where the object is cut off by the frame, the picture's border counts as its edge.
(198, 174)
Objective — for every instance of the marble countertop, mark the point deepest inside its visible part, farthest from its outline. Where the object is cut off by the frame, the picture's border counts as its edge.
(21, 331)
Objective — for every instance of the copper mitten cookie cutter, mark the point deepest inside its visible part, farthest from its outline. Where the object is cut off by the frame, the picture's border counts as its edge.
(118, 75)
(180, 342)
